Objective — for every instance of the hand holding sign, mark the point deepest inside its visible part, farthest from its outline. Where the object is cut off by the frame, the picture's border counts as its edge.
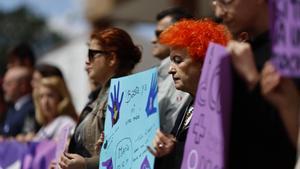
(150, 109)
(72, 161)
(243, 61)
(116, 104)
(163, 143)
(284, 95)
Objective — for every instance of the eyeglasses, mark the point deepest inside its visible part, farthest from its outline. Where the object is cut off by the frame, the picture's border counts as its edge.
(92, 54)
(221, 3)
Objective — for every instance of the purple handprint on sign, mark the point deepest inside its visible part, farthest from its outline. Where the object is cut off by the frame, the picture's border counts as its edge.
(150, 109)
(108, 164)
(145, 164)
(116, 105)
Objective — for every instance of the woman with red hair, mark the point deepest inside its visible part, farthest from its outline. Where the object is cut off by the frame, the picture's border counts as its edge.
(112, 53)
(188, 40)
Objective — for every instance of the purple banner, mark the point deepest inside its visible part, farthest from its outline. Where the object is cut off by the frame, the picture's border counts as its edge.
(32, 155)
(61, 143)
(12, 153)
(206, 144)
(285, 33)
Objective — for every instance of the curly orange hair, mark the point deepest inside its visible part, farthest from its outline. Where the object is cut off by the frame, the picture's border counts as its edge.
(195, 35)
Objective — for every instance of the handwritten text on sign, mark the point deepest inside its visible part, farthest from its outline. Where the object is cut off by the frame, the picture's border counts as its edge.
(132, 119)
(205, 147)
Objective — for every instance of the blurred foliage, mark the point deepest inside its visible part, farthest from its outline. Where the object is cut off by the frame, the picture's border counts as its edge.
(22, 25)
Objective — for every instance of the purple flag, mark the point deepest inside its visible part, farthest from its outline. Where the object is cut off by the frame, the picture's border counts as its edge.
(285, 34)
(11, 152)
(32, 155)
(207, 139)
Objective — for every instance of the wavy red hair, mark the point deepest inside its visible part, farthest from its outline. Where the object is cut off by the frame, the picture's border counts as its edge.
(195, 35)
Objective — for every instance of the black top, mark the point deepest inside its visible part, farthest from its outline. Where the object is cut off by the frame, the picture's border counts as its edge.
(258, 138)
(180, 131)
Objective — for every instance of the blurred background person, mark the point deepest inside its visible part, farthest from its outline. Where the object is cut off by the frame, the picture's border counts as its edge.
(40, 71)
(55, 108)
(188, 40)
(20, 117)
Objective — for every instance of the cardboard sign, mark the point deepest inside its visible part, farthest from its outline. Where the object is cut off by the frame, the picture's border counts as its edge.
(207, 139)
(132, 119)
(285, 34)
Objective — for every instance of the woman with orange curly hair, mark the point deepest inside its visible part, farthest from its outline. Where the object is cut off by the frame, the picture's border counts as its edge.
(188, 40)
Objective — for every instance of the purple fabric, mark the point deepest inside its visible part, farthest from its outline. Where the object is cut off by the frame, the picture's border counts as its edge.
(145, 164)
(207, 140)
(45, 153)
(33, 155)
(10, 152)
(285, 34)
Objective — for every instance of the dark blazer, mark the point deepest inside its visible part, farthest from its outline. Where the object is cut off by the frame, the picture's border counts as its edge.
(19, 121)
(174, 159)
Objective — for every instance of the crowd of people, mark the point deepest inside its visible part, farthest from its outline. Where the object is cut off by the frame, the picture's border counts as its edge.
(265, 106)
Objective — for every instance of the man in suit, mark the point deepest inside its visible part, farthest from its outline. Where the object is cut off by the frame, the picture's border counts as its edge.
(20, 117)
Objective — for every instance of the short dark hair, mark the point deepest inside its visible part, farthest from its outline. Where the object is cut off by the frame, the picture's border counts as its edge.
(22, 52)
(177, 13)
(47, 70)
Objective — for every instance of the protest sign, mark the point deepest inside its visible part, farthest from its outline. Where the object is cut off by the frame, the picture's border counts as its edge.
(285, 35)
(132, 119)
(207, 139)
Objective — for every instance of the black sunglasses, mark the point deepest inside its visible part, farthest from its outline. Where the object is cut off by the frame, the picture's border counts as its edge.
(92, 54)
(157, 33)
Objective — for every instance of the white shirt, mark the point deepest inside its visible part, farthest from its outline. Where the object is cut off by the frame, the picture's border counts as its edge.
(54, 128)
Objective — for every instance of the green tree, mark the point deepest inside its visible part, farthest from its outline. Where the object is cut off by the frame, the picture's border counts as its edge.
(22, 25)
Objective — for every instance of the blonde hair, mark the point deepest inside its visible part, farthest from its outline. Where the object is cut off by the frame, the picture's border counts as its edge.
(65, 106)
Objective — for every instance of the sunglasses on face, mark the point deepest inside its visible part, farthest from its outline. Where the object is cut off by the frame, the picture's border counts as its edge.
(157, 33)
(92, 54)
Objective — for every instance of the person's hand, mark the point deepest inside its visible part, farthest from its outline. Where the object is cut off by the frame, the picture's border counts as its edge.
(116, 104)
(243, 61)
(72, 161)
(99, 142)
(280, 91)
(284, 95)
(163, 144)
(53, 165)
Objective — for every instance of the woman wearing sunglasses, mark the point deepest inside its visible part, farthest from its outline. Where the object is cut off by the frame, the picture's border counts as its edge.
(111, 54)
